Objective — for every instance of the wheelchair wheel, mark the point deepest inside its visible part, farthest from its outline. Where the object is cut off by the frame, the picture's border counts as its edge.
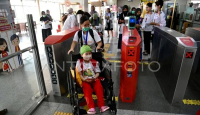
(70, 88)
(113, 106)
(76, 104)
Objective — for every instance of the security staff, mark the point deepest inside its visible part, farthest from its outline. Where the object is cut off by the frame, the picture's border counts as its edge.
(147, 28)
(159, 17)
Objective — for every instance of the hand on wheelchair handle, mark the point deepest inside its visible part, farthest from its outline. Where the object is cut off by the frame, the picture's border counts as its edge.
(99, 50)
(70, 51)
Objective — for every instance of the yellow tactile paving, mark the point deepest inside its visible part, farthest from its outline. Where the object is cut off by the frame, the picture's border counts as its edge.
(191, 102)
(62, 113)
(119, 61)
(108, 55)
(106, 48)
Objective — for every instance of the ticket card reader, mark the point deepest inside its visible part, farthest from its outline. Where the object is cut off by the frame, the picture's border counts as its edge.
(131, 43)
(132, 22)
(132, 40)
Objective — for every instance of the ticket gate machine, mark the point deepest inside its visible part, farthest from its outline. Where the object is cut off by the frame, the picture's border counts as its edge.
(195, 74)
(131, 43)
(172, 56)
(56, 47)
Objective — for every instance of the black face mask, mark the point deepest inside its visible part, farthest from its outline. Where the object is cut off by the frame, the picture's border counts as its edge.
(138, 16)
(125, 12)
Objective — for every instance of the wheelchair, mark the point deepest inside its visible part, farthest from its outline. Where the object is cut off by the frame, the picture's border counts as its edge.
(107, 84)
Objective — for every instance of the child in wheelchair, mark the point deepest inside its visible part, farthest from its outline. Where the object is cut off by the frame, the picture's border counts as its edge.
(89, 72)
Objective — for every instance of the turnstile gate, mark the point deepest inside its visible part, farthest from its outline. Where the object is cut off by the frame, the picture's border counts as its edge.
(172, 56)
(195, 74)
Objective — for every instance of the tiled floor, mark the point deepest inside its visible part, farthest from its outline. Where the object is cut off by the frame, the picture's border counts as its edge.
(17, 90)
(137, 108)
(49, 108)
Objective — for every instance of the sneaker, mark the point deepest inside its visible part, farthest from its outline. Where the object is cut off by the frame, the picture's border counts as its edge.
(104, 108)
(91, 111)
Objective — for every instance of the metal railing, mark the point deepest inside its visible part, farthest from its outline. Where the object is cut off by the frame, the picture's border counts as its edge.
(15, 54)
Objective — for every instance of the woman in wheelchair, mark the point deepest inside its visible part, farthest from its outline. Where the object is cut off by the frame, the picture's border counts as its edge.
(89, 72)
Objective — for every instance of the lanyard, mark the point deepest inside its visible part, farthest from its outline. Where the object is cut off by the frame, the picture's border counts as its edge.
(85, 39)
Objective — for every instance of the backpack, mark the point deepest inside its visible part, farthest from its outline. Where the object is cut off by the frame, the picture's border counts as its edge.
(92, 35)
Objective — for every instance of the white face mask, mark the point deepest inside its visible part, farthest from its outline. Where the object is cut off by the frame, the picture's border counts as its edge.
(156, 8)
(87, 57)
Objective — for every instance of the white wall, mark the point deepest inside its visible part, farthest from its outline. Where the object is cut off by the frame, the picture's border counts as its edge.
(135, 3)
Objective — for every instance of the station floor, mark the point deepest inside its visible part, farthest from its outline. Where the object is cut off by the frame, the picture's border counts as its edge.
(19, 89)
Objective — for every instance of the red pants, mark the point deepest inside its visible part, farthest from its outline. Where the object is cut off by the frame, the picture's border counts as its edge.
(88, 89)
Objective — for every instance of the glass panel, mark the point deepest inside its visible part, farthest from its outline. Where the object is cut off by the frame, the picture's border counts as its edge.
(19, 89)
(20, 16)
(32, 10)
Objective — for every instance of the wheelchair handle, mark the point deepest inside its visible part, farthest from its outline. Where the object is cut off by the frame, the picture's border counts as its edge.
(71, 53)
(100, 50)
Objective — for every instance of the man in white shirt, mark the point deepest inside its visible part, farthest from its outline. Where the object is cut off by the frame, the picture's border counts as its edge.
(148, 18)
(71, 21)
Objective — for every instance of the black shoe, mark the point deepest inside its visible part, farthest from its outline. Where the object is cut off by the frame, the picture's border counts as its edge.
(3, 112)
